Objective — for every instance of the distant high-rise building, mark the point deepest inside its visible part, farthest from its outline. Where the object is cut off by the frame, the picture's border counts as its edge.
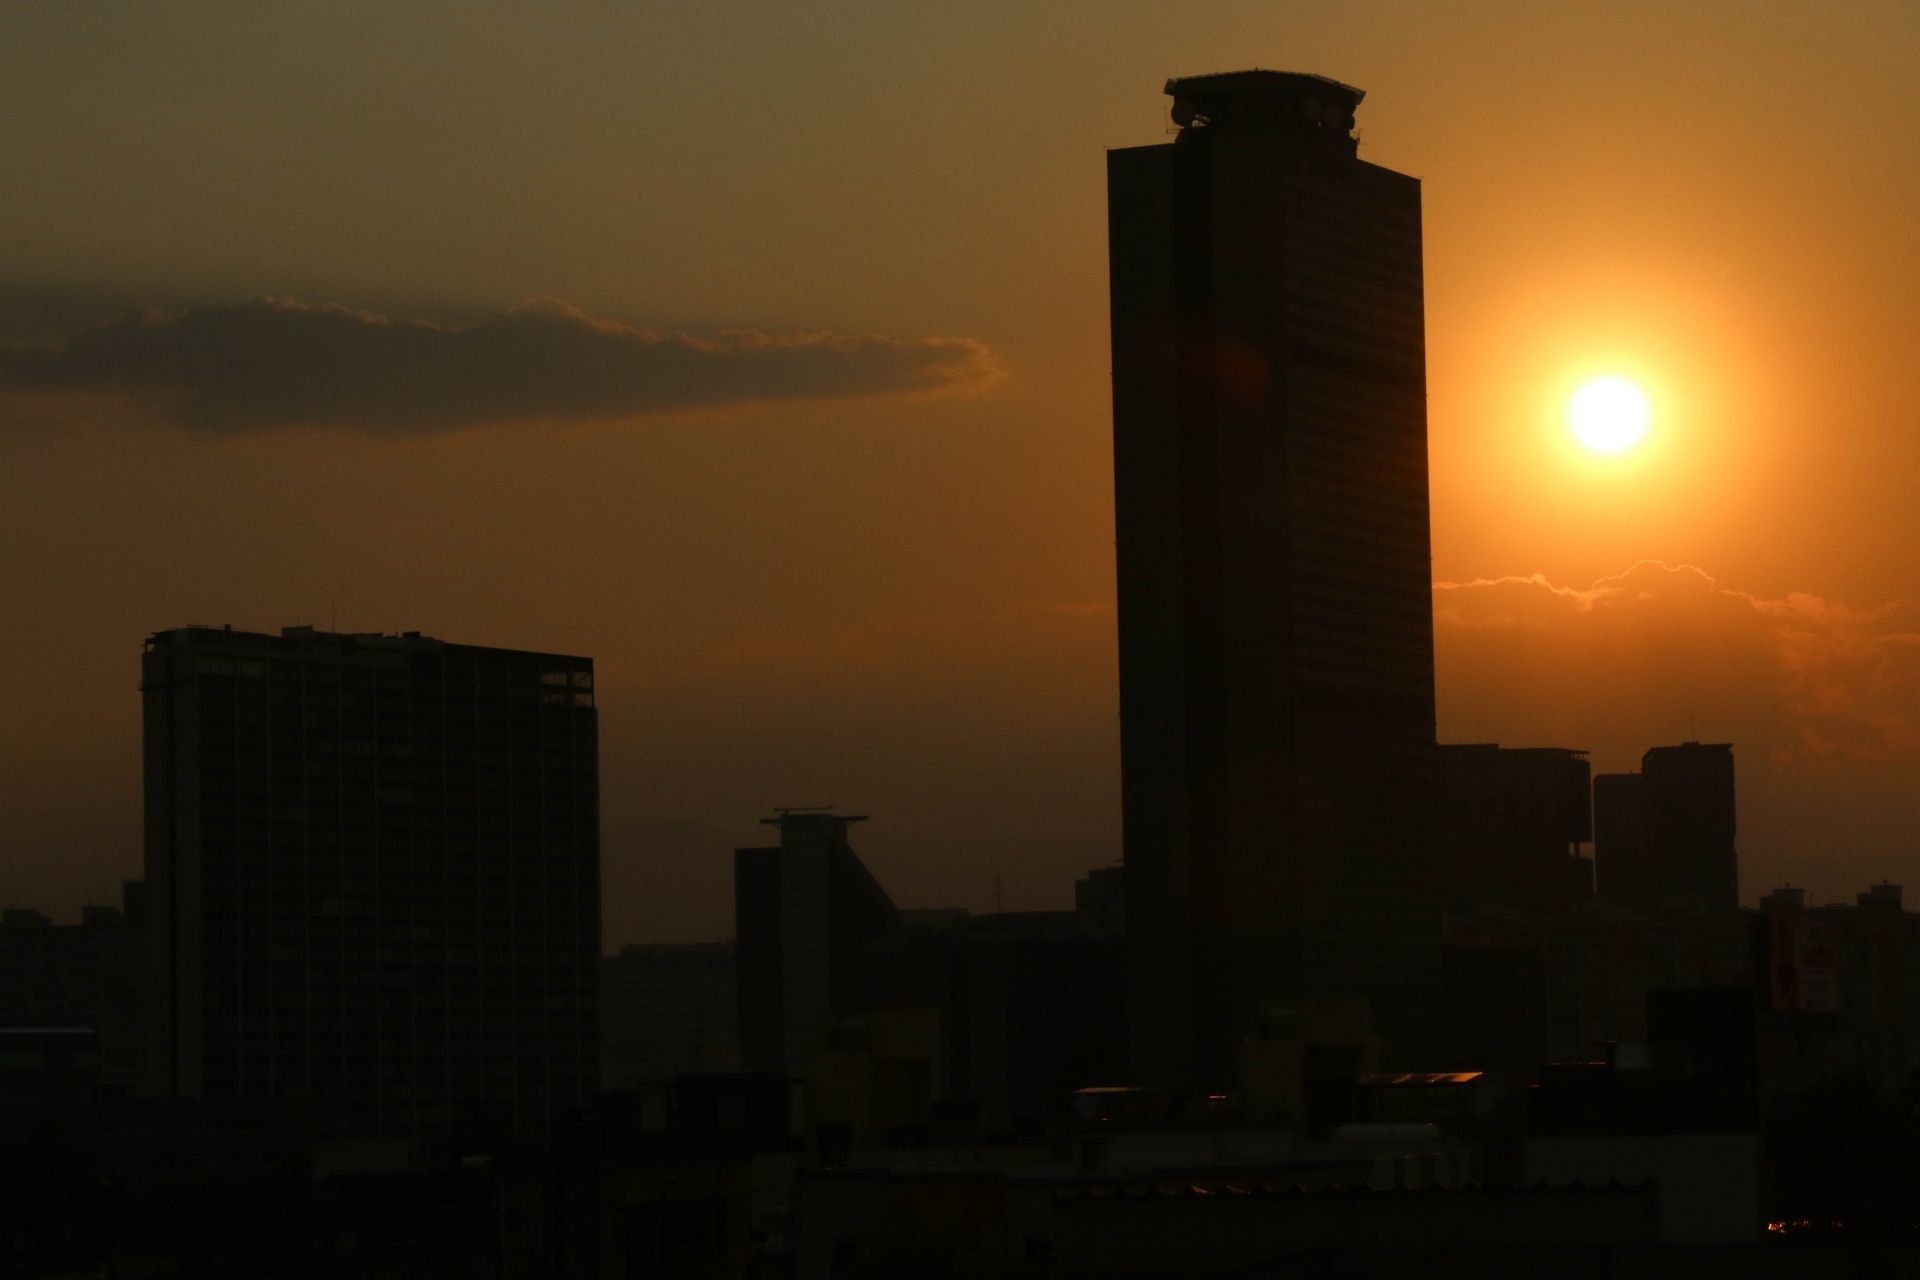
(1664, 837)
(1100, 901)
(1274, 575)
(373, 876)
(1622, 875)
(1512, 821)
(806, 916)
(1688, 798)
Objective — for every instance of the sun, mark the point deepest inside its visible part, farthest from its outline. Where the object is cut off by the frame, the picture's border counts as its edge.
(1608, 415)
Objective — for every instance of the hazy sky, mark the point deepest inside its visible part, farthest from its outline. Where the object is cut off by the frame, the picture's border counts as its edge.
(759, 351)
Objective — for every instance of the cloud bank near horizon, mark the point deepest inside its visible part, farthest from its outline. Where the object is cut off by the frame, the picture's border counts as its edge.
(1663, 652)
(281, 362)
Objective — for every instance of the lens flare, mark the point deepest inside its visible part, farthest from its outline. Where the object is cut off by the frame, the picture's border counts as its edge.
(1608, 415)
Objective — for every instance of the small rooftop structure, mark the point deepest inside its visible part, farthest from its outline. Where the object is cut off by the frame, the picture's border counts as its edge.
(1879, 897)
(1257, 100)
(1786, 898)
(812, 824)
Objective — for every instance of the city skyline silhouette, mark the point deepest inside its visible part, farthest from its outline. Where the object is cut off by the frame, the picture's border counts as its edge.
(1380, 733)
(917, 567)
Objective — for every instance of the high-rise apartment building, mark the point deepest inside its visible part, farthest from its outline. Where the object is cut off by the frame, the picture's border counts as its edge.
(1688, 797)
(1274, 574)
(1664, 837)
(373, 876)
(807, 914)
(1622, 875)
(1511, 823)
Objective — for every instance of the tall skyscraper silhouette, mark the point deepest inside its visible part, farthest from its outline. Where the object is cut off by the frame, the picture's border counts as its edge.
(373, 868)
(1274, 574)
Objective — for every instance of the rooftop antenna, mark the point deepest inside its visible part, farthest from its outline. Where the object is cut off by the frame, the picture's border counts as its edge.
(999, 897)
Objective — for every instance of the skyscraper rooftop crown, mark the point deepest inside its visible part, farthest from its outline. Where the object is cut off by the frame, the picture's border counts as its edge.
(1291, 101)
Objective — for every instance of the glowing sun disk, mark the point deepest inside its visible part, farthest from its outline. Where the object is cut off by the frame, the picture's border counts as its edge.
(1608, 415)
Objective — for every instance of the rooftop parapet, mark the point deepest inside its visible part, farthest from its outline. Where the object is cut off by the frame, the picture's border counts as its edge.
(1289, 102)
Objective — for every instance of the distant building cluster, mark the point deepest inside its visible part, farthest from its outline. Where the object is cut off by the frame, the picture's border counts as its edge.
(1512, 825)
(908, 1023)
(82, 977)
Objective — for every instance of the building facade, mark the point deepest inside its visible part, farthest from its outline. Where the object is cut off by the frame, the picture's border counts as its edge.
(1274, 574)
(373, 876)
(1664, 837)
(668, 1010)
(1833, 991)
(806, 914)
(1100, 900)
(1622, 875)
(1512, 820)
(1689, 812)
(85, 975)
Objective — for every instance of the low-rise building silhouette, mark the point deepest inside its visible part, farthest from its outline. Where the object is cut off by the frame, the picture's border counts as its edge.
(86, 975)
(1100, 900)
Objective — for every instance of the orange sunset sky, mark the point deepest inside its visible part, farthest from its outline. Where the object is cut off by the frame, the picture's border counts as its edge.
(759, 351)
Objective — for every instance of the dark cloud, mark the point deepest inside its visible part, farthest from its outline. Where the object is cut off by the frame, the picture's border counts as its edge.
(276, 362)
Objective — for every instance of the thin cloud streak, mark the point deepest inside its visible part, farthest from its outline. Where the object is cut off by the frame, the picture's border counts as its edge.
(281, 362)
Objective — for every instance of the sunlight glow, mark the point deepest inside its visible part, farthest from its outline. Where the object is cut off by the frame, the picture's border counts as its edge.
(1608, 415)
